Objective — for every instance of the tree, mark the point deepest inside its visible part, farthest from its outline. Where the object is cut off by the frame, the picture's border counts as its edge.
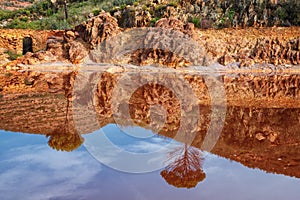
(66, 9)
(64, 3)
(186, 171)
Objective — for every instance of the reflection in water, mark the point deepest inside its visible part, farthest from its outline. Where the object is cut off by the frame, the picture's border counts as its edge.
(29, 170)
(65, 137)
(263, 134)
(186, 169)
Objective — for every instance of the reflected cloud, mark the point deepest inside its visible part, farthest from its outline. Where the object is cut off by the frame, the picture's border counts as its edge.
(122, 152)
(150, 145)
(37, 172)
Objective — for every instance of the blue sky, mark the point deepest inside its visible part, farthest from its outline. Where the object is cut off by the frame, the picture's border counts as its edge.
(29, 169)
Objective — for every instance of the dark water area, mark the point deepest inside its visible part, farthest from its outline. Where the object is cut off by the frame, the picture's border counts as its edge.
(129, 135)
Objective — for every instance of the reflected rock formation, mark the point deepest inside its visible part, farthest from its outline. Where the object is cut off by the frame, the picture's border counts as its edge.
(261, 128)
(185, 171)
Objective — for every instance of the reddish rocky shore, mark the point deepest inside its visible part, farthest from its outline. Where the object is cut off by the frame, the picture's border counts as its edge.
(279, 46)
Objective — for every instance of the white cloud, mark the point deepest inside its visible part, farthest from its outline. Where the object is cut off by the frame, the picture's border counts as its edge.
(38, 172)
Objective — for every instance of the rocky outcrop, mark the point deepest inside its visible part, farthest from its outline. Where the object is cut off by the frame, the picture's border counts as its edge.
(239, 47)
(130, 17)
(4, 57)
(97, 29)
(252, 45)
(12, 40)
(73, 45)
(277, 46)
(277, 52)
(225, 46)
(176, 25)
(34, 59)
(55, 45)
(163, 47)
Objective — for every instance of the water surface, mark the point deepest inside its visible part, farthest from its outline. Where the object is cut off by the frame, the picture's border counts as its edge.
(32, 170)
(110, 135)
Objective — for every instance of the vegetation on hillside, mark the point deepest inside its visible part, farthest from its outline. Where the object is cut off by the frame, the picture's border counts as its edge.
(45, 14)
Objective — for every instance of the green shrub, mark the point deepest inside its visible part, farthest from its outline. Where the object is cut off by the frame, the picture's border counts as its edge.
(5, 14)
(230, 14)
(13, 55)
(96, 12)
(122, 2)
(145, 7)
(154, 20)
(290, 12)
(24, 19)
(196, 21)
(173, 3)
(53, 24)
(27, 12)
(123, 6)
(16, 23)
(49, 12)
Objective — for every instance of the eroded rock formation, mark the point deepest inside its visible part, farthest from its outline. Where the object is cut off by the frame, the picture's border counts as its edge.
(245, 47)
(12, 40)
(97, 29)
(278, 46)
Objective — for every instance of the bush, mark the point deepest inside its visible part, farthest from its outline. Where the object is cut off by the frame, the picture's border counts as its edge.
(123, 2)
(13, 55)
(16, 23)
(53, 24)
(160, 7)
(5, 14)
(196, 21)
(173, 3)
(154, 20)
(290, 12)
(96, 12)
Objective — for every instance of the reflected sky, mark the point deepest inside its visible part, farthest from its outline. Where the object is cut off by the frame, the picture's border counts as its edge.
(29, 169)
(124, 138)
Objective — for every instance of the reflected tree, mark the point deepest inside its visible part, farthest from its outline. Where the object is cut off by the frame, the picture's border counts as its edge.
(65, 137)
(185, 169)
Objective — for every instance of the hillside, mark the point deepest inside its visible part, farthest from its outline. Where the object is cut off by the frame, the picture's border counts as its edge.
(14, 4)
(45, 14)
(226, 21)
